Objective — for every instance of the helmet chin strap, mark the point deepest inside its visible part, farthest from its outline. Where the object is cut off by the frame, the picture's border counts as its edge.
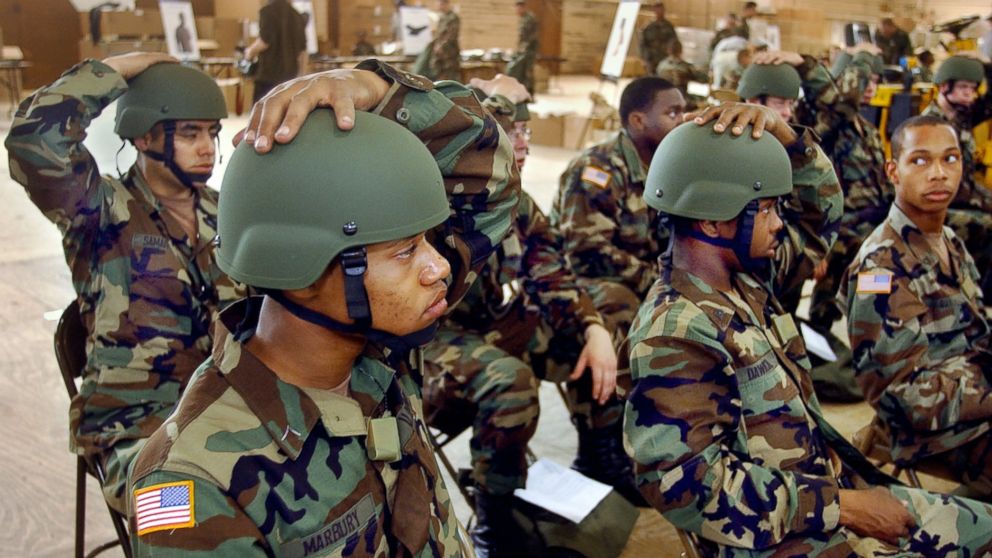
(354, 263)
(741, 243)
(168, 157)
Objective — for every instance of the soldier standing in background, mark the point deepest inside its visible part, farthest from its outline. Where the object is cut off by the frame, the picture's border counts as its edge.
(679, 72)
(445, 53)
(655, 39)
(281, 46)
(521, 66)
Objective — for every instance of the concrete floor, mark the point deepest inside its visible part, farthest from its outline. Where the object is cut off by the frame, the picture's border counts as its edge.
(37, 473)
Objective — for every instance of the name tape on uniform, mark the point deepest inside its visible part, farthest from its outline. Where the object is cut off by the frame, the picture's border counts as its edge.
(874, 283)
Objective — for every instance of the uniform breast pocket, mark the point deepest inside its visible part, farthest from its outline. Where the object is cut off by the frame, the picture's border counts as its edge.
(158, 297)
(774, 414)
(946, 322)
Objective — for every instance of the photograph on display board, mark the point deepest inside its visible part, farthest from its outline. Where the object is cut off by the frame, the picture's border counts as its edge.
(416, 25)
(180, 29)
(616, 48)
(305, 8)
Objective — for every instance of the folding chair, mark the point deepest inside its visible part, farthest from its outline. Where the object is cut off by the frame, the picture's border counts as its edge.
(70, 351)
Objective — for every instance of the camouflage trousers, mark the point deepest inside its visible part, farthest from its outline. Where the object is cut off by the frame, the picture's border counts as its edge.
(489, 382)
(972, 463)
(521, 67)
(116, 463)
(946, 526)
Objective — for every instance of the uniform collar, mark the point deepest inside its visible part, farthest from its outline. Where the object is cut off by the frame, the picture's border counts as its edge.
(287, 412)
(636, 168)
(920, 250)
(721, 307)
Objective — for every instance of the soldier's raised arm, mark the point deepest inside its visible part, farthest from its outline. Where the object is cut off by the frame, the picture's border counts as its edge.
(474, 155)
(45, 143)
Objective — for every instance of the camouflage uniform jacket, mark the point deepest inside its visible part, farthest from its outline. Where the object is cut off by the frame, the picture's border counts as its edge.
(446, 55)
(654, 42)
(528, 267)
(680, 73)
(272, 469)
(921, 350)
(600, 210)
(726, 433)
(147, 292)
(527, 34)
(972, 195)
(852, 143)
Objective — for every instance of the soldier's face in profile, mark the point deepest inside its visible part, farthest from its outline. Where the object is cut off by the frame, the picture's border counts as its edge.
(870, 89)
(195, 144)
(767, 226)
(406, 285)
(928, 172)
(663, 116)
(520, 138)
(962, 93)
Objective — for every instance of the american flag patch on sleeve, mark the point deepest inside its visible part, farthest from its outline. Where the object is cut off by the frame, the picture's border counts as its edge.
(164, 506)
(874, 283)
(596, 175)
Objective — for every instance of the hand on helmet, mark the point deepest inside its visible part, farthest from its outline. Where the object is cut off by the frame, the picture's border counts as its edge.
(738, 116)
(279, 115)
(133, 63)
(778, 57)
(503, 85)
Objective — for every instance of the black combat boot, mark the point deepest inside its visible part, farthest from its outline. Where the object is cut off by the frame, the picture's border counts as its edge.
(494, 530)
(601, 457)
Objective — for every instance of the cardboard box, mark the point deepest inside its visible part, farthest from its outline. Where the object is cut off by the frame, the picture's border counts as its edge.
(548, 130)
(139, 23)
(227, 33)
(205, 28)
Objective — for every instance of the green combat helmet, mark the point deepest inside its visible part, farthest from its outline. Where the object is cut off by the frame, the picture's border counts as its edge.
(166, 93)
(775, 80)
(682, 182)
(960, 68)
(283, 217)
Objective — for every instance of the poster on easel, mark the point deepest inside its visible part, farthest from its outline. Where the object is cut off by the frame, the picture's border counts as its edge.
(180, 29)
(305, 9)
(415, 23)
(624, 24)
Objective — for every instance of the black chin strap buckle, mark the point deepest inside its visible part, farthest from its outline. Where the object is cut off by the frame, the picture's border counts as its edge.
(354, 264)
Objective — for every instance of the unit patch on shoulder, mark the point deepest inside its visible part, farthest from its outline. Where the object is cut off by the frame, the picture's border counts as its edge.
(874, 283)
(164, 506)
(596, 175)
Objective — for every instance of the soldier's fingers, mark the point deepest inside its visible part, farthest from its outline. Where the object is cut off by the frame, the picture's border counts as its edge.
(580, 367)
(240, 135)
(704, 116)
(758, 126)
(597, 383)
(726, 119)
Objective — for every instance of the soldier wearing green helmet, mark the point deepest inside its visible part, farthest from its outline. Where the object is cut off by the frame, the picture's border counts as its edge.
(776, 86)
(138, 246)
(727, 435)
(303, 434)
(958, 101)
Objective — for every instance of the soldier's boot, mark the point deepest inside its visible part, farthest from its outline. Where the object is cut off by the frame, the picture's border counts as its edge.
(494, 530)
(601, 457)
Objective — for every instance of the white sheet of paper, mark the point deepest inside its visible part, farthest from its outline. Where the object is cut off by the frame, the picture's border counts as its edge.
(561, 490)
(816, 343)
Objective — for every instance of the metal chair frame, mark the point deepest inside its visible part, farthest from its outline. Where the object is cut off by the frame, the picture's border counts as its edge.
(70, 351)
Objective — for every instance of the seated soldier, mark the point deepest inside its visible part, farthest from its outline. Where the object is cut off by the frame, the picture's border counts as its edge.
(727, 435)
(303, 433)
(599, 207)
(139, 247)
(679, 72)
(958, 101)
(915, 314)
(526, 316)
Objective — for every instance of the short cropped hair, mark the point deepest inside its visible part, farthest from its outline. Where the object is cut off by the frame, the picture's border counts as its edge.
(899, 135)
(640, 94)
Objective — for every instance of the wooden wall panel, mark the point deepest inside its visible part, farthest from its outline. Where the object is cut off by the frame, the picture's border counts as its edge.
(47, 32)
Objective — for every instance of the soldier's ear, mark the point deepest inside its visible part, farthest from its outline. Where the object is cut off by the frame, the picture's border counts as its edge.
(892, 171)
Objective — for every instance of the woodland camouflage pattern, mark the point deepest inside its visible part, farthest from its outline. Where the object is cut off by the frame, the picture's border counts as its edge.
(147, 292)
(921, 352)
(476, 161)
(654, 43)
(854, 145)
(521, 66)
(607, 226)
(727, 435)
(280, 470)
(446, 55)
(680, 73)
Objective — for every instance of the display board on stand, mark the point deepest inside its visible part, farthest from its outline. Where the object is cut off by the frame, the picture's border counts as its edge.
(624, 24)
(416, 29)
(180, 29)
